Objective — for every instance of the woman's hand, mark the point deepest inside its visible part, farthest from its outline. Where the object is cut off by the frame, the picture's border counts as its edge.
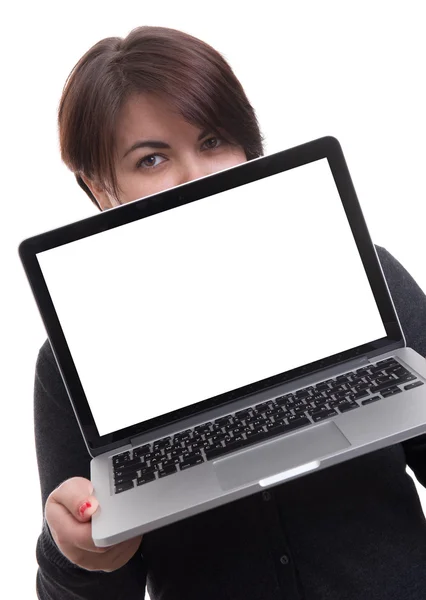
(72, 529)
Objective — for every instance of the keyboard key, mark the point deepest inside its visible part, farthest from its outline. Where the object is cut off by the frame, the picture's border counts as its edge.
(137, 461)
(182, 435)
(284, 401)
(360, 387)
(145, 478)
(317, 397)
(321, 402)
(384, 379)
(223, 420)
(296, 423)
(405, 378)
(376, 369)
(177, 452)
(334, 403)
(346, 406)
(221, 450)
(374, 389)
(262, 407)
(302, 394)
(188, 454)
(236, 430)
(142, 450)
(148, 456)
(372, 399)
(120, 472)
(323, 386)
(191, 462)
(124, 479)
(413, 385)
(259, 421)
(277, 410)
(342, 395)
(258, 437)
(202, 428)
(242, 414)
(400, 370)
(148, 470)
(121, 458)
(338, 389)
(161, 443)
(391, 392)
(167, 471)
(323, 414)
(300, 409)
(387, 361)
(301, 402)
(357, 380)
(216, 437)
(343, 378)
(216, 428)
(359, 395)
(274, 424)
(291, 418)
(362, 371)
(197, 444)
(123, 487)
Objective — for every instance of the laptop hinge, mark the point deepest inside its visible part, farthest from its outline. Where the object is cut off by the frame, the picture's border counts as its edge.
(139, 440)
(372, 356)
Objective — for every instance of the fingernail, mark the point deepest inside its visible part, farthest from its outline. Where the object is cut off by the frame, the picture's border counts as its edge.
(84, 507)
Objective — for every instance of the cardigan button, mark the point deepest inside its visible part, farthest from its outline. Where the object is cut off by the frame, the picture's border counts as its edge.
(266, 496)
(284, 560)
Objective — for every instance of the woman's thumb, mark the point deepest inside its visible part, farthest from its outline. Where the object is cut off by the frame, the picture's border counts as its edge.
(76, 495)
(87, 508)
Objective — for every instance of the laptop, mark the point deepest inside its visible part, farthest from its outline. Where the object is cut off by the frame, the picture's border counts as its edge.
(227, 335)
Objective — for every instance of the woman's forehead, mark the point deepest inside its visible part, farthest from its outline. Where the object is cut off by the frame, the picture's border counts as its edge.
(149, 115)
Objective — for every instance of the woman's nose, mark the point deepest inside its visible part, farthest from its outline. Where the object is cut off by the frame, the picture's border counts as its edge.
(192, 170)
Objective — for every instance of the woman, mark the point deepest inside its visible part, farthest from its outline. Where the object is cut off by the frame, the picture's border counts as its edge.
(139, 115)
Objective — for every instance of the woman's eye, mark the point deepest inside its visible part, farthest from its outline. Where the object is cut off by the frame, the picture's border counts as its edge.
(212, 143)
(150, 161)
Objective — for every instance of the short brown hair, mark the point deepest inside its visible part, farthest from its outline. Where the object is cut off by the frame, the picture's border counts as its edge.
(193, 76)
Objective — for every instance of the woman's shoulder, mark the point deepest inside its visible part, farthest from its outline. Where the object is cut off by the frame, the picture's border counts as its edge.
(45, 356)
(408, 298)
(398, 278)
(47, 371)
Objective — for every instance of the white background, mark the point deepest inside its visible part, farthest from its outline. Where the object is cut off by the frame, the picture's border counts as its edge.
(354, 70)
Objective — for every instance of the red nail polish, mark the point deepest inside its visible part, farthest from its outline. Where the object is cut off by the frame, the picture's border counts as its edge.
(83, 507)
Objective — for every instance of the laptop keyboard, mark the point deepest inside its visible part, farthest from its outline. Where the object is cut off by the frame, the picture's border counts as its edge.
(274, 417)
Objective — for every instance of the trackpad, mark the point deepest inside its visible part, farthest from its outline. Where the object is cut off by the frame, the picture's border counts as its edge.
(279, 455)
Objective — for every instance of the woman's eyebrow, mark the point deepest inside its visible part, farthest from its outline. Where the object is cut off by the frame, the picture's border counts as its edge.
(156, 144)
(147, 144)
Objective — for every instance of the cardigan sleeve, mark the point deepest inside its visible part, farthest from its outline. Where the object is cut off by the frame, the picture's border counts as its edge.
(410, 305)
(61, 454)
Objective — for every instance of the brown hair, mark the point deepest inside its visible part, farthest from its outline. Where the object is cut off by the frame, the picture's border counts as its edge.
(193, 76)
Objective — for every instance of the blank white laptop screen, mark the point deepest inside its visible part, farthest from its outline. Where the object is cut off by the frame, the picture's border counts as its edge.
(211, 296)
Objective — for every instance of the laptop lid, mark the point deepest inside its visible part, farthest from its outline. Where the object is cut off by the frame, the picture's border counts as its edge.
(200, 295)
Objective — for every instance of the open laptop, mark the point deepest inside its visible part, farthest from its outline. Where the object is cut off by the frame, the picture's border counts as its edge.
(223, 336)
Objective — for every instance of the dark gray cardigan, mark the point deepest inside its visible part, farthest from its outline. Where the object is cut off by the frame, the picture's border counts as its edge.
(350, 532)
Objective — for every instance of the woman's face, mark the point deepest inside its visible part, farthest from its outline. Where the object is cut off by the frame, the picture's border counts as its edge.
(157, 150)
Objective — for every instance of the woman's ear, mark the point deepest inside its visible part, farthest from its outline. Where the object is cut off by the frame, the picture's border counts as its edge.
(102, 197)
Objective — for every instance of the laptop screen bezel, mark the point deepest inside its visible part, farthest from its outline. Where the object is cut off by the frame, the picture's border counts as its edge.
(326, 147)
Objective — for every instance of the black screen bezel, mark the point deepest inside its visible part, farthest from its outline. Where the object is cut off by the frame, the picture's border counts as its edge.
(326, 147)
